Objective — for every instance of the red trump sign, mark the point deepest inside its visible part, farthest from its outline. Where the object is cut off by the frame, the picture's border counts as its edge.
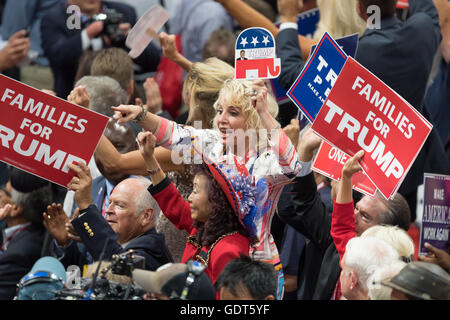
(361, 112)
(330, 161)
(42, 134)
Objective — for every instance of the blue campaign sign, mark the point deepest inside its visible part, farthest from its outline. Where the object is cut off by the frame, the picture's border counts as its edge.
(348, 43)
(307, 22)
(318, 76)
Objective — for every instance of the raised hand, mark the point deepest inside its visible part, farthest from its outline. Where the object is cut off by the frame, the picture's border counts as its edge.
(307, 144)
(15, 50)
(436, 256)
(79, 96)
(71, 232)
(289, 9)
(168, 45)
(152, 95)
(147, 143)
(81, 183)
(55, 220)
(5, 212)
(292, 130)
(125, 113)
(352, 165)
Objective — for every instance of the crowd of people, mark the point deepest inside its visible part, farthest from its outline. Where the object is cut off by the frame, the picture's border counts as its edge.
(208, 180)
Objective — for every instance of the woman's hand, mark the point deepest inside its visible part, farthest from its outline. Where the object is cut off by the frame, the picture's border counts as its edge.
(259, 96)
(307, 145)
(147, 143)
(125, 113)
(168, 45)
(152, 95)
(292, 130)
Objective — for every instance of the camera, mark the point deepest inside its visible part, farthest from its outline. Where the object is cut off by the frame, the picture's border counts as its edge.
(111, 20)
(102, 288)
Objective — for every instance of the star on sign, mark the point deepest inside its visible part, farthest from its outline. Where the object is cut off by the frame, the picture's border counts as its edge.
(265, 40)
(254, 41)
(244, 42)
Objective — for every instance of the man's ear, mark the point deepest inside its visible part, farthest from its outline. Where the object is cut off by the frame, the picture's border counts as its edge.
(269, 297)
(354, 280)
(16, 211)
(147, 217)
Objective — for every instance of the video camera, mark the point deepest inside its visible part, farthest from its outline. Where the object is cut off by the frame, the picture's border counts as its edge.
(102, 288)
(111, 20)
(47, 285)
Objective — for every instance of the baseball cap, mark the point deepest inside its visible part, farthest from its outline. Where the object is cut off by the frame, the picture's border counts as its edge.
(423, 280)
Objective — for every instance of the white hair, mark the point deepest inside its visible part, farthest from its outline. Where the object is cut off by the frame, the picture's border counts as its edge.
(398, 238)
(144, 200)
(104, 92)
(365, 255)
(378, 291)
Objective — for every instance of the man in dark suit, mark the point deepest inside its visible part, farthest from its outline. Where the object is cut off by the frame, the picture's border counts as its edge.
(24, 235)
(129, 224)
(64, 41)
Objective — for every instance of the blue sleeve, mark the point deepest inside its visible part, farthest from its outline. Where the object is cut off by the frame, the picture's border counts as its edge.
(289, 52)
(427, 7)
(95, 231)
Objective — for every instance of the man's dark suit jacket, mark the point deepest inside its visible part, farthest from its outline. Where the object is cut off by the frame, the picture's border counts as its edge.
(319, 267)
(63, 46)
(150, 245)
(22, 252)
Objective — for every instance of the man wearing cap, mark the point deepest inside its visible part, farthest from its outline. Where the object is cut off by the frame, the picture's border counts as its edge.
(129, 222)
(420, 281)
(24, 235)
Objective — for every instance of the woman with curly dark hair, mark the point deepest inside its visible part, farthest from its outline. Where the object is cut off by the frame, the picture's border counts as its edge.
(219, 214)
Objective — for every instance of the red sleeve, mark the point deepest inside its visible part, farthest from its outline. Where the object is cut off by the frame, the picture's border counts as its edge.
(342, 226)
(174, 207)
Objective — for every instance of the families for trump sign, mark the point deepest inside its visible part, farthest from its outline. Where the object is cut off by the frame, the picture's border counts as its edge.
(42, 134)
(361, 112)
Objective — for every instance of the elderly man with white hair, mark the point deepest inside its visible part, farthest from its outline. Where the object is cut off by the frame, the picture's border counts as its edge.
(363, 256)
(129, 221)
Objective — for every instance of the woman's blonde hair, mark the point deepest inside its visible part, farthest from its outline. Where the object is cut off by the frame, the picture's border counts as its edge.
(239, 93)
(201, 86)
(396, 237)
(339, 18)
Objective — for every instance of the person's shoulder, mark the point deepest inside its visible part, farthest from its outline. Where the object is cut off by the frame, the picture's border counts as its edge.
(233, 241)
(56, 13)
(123, 8)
